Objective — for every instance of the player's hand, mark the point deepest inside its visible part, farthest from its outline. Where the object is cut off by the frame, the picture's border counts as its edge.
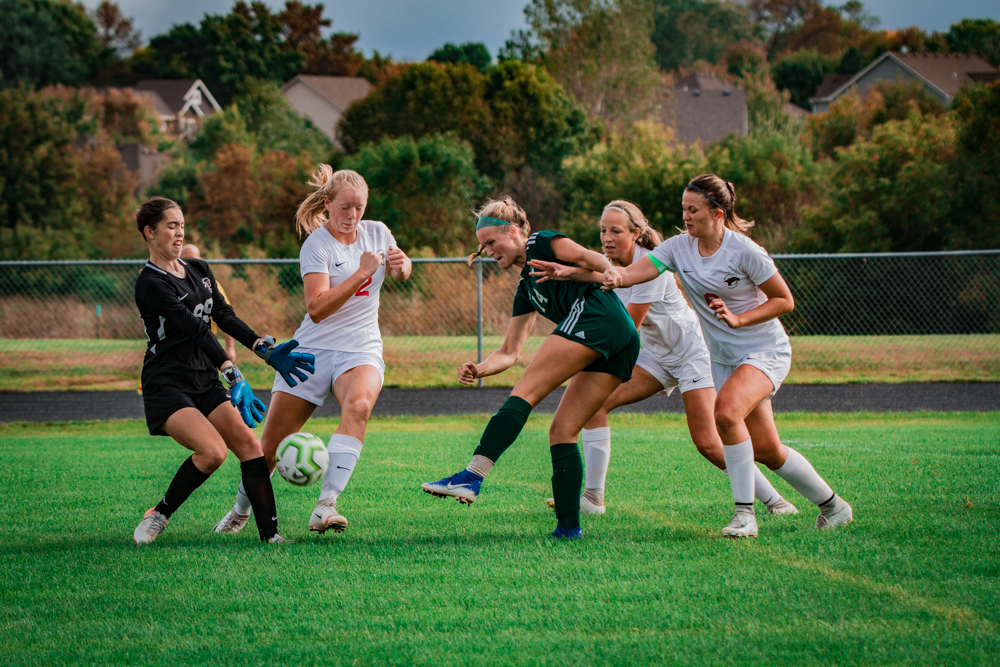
(396, 259)
(612, 279)
(369, 263)
(467, 373)
(287, 363)
(545, 271)
(250, 407)
(723, 314)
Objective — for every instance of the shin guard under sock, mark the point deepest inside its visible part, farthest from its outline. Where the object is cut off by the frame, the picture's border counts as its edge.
(803, 478)
(503, 429)
(567, 478)
(185, 481)
(257, 485)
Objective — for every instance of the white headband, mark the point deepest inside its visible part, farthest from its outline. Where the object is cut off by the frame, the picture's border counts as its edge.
(619, 209)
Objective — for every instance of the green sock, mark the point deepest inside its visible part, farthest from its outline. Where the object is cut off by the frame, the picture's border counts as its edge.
(503, 429)
(567, 479)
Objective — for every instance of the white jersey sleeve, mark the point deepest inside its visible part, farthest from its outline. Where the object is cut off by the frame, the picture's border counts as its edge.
(354, 326)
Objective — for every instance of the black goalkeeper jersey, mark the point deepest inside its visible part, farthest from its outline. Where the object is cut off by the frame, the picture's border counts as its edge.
(182, 351)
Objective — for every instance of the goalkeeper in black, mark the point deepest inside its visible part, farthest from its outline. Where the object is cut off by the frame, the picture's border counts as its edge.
(181, 392)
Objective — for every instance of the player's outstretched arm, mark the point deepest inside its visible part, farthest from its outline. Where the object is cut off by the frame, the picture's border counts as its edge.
(546, 271)
(399, 265)
(625, 276)
(568, 250)
(282, 359)
(502, 359)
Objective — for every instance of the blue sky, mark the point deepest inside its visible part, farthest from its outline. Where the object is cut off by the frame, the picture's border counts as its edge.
(411, 29)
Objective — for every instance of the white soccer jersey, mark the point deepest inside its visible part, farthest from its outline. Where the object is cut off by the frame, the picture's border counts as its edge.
(732, 273)
(670, 330)
(354, 327)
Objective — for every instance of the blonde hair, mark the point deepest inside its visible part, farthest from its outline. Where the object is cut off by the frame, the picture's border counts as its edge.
(649, 238)
(505, 209)
(328, 183)
(724, 195)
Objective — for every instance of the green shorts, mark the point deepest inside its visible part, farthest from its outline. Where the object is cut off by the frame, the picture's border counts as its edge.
(600, 321)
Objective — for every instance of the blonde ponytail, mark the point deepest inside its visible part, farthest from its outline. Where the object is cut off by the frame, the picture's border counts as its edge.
(312, 214)
(505, 209)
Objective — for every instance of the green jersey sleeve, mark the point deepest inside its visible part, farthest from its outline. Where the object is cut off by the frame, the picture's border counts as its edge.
(522, 305)
(540, 245)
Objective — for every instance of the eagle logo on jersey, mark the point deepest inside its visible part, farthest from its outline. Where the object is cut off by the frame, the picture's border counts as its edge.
(732, 282)
(207, 283)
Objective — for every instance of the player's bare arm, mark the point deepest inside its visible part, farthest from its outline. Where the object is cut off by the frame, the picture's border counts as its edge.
(568, 250)
(322, 300)
(398, 265)
(503, 358)
(625, 276)
(779, 302)
(546, 271)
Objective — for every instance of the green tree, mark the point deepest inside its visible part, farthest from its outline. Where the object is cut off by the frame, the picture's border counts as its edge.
(423, 189)
(976, 194)
(688, 31)
(801, 73)
(470, 53)
(601, 54)
(642, 165)
(978, 36)
(273, 125)
(44, 42)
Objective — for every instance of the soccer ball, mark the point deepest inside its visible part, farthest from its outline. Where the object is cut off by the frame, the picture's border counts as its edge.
(302, 459)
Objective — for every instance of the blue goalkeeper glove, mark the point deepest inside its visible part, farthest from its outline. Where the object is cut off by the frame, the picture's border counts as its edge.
(282, 359)
(250, 407)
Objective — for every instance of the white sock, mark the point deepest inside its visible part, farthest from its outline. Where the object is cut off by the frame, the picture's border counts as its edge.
(596, 456)
(344, 452)
(804, 479)
(242, 506)
(740, 466)
(763, 489)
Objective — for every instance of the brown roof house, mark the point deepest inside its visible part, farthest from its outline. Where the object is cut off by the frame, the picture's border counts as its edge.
(702, 107)
(181, 104)
(324, 99)
(942, 74)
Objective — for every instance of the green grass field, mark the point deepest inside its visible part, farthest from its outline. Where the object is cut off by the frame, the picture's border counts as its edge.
(430, 361)
(915, 580)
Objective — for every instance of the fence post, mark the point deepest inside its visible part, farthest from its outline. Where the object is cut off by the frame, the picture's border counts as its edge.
(479, 314)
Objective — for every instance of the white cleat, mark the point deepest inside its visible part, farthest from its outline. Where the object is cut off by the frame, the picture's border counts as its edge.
(231, 523)
(744, 523)
(781, 506)
(836, 513)
(152, 524)
(586, 507)
(325, 517)
(278, 539)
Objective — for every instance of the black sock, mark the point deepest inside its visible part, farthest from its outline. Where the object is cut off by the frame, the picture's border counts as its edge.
(187, 479)
(567, 480)
(503, 429)
(257, 485)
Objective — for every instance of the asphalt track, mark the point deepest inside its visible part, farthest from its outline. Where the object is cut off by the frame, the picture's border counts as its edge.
(950, 397)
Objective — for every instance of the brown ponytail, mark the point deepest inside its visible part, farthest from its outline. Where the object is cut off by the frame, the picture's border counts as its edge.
(721, 194)
(149, 214)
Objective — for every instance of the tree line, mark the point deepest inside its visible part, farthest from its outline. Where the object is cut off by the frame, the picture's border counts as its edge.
(564, 119)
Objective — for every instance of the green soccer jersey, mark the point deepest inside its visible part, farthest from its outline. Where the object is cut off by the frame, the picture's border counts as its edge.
(553, 299)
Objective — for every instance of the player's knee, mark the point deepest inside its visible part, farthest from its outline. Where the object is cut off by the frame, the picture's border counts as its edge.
(358, 409)
(212, 459)
(726, 417)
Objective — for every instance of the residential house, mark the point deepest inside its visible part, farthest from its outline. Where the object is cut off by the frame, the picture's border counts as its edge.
(324, 99)
(941, 74)
(180, 104)
(702, 107)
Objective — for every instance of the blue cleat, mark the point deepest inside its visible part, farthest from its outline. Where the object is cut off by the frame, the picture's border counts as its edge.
(463, 487)
(561, 533)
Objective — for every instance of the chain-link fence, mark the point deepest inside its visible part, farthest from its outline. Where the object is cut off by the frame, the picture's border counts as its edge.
(860, 317)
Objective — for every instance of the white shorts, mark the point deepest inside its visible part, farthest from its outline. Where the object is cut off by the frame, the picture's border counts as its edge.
(694, 372)
(330, 365)
(775, 365)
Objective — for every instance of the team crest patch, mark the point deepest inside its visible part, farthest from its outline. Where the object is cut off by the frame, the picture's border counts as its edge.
(207, 283)
(732, 281)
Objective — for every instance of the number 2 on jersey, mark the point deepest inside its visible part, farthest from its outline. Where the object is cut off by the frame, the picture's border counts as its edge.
(361, 290)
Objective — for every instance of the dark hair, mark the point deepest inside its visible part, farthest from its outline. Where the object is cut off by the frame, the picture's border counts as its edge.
(151, 211)
(721, 194)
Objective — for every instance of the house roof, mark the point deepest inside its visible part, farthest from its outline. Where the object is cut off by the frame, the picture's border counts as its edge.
(945, 72)
(831, 82)
(703, 107)
(176, 94)
(795, 110)
(339, 90)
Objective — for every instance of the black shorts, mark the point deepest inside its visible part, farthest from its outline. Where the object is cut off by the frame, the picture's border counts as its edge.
(161, 401)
